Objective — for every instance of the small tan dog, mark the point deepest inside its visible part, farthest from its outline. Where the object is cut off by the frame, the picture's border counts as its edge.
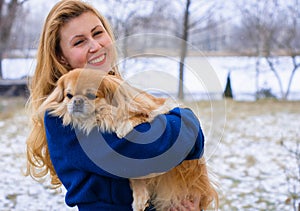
(87, 98)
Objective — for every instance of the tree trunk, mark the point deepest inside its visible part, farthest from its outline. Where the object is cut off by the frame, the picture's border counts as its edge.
(296, 66)
(271, 65)
(6, 23)
(183, 51)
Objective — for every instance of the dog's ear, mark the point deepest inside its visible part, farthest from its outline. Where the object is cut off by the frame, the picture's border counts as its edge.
(111, 89)
(55, 98)
(126, 98)
(120, 94)
(58, 93)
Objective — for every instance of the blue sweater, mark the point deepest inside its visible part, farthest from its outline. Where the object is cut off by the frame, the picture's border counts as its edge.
(93, 185)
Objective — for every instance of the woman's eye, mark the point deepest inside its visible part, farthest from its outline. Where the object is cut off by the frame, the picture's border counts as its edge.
(97, 33)
(91, 96)
(78, 42)
(69, 96)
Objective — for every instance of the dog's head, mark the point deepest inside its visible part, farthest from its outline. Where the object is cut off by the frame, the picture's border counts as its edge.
(81, 91)
(77, 93)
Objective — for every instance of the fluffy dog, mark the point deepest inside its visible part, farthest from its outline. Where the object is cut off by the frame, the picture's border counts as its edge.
(87, 98)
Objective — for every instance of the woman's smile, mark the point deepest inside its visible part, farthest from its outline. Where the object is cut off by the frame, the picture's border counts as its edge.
(98, 61)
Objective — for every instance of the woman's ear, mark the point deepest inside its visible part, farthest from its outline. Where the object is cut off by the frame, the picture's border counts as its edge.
(63, 60)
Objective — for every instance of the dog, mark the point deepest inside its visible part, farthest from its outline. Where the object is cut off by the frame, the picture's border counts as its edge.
(88, 98)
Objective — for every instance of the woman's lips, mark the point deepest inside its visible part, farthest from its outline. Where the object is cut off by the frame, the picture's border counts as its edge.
(99, 60)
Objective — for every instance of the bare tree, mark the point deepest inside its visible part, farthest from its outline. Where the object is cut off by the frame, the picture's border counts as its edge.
(286, 41)
(8, 13)
(193, 23)
(183, 53)
(263, 37)
(290, 42)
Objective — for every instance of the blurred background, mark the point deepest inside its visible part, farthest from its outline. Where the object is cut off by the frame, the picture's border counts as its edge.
(251, 47)
(256, 38)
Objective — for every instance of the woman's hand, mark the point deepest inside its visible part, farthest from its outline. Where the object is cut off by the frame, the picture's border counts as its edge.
(188, 205)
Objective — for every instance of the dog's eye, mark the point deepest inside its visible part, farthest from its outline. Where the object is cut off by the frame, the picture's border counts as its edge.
(91, 96)
(69, 96)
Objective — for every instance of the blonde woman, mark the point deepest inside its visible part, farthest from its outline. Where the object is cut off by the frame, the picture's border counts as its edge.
(76, 35)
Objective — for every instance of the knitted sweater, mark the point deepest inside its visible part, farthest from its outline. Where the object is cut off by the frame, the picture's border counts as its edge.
(96, 179)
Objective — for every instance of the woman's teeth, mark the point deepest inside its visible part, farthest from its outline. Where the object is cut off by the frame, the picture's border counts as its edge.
(100, 59)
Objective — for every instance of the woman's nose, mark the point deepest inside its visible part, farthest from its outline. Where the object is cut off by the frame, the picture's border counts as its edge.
(94, 45)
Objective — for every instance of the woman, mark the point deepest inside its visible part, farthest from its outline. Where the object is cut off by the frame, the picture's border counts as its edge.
(75, 35)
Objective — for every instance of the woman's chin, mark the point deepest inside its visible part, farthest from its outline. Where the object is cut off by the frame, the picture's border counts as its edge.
(104, 68)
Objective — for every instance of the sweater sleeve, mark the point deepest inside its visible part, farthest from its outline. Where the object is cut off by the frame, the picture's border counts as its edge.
(150, 148)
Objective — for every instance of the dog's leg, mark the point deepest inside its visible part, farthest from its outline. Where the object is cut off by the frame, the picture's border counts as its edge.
(140, 194)
(105, 117)
(123, 128)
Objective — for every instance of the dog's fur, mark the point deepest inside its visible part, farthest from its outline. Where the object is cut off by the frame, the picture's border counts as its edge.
(87, 98)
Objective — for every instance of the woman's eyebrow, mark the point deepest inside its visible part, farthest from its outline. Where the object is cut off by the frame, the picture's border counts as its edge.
(75, 37)
(79, 35)
(93, 29)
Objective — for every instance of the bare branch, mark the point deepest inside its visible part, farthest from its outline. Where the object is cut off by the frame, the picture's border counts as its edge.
(206, 15)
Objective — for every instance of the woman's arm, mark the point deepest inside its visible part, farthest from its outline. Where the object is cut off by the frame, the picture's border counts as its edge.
(150, 148)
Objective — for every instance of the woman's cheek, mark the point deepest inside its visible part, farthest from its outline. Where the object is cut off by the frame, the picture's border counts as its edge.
(79, 60)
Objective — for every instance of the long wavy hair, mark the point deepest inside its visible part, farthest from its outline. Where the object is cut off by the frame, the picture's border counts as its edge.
(48, 70)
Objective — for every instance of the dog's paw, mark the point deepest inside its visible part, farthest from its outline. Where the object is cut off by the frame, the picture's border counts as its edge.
(140, 200)
(139, 207)
(105, 118)
(123, 128)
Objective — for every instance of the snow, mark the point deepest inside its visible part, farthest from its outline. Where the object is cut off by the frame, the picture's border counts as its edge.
(17, 68)
(249, 162)
(16, 191)
(203, 76)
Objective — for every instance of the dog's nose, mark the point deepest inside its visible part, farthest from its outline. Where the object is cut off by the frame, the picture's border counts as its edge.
(78, 102)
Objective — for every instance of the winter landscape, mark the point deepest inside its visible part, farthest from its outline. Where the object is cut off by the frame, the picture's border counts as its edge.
(252, 47)
(251, 159)
(253, 170)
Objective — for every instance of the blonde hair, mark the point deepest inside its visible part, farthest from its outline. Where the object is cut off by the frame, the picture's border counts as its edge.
(48, 70)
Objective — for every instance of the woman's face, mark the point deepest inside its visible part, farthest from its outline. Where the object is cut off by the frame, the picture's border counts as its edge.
(85, 43)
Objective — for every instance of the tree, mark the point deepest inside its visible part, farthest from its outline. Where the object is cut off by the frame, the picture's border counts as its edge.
(193, 22)
(8, 13)
(260, 29)
(291, 41)
(286, 42)
(184, 39)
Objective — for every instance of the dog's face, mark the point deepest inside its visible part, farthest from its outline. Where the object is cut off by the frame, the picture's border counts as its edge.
(79, 92)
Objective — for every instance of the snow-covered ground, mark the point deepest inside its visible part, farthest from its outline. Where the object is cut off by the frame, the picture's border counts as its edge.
(249, 162)
(16, 191)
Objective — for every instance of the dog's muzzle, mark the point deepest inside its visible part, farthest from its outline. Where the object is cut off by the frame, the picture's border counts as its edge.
(77, 105)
